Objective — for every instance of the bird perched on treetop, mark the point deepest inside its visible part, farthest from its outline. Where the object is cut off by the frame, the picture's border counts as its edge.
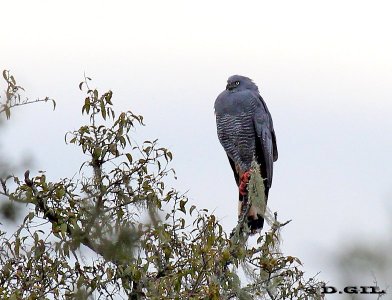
(246, 132)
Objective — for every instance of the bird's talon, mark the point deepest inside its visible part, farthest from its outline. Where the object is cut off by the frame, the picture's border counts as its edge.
(244, 183)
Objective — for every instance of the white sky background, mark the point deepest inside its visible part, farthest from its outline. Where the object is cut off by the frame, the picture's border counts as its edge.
(324, 69)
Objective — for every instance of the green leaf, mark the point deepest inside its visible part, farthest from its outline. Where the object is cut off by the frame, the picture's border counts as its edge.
(182, 206)
(103, 111)
(170, 155)
(86, 106)
(192, 209)
(109, 273)
(17, 246)
(177, 285)
(182, 223)
(66, 249)
(60, 192)
(123, 142)
(14, 296)
(97, 152)
(31, 216)
(129, 157)
(147, 150)
(80, 281)
(63, 229)
(7, 111)
(108, 97)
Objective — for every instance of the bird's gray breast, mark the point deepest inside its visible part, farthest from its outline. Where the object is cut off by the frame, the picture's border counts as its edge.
(234, 120)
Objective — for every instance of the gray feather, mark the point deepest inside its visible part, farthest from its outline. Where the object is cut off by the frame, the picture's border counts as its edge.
(245, 128)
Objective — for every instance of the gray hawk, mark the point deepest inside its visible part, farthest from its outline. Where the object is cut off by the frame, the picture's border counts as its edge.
(246, 132)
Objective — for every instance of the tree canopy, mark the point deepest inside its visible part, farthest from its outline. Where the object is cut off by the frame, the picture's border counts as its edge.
(116, 231)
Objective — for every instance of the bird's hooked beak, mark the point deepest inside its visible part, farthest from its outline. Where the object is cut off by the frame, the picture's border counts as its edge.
(230, 86)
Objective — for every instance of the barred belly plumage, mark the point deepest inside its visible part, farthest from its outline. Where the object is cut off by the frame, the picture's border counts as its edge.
(237, 136)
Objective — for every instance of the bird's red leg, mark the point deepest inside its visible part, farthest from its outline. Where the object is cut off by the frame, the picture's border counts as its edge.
(243, 187)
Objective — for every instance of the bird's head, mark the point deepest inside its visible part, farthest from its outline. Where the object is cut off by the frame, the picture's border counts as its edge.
(240, 83)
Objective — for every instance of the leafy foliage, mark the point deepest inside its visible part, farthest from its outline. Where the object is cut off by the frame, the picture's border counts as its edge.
(116, 231)
(13, 97)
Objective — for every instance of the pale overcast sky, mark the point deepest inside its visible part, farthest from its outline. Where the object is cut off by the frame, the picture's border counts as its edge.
(323, 67)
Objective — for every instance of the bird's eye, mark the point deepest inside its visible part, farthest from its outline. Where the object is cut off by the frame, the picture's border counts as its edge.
(237, 83)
